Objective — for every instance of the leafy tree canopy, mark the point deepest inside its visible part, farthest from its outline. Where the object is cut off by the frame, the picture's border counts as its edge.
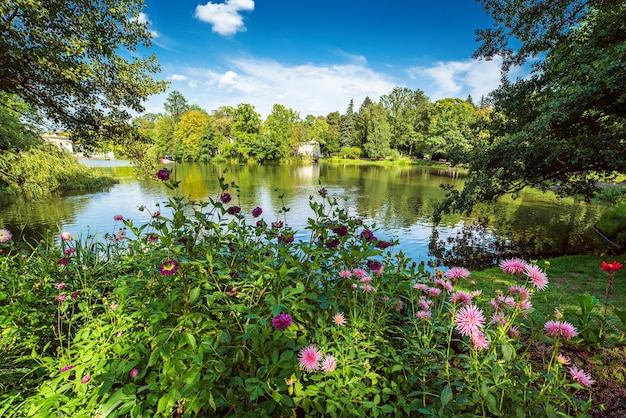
(565, 125)
(67, 60)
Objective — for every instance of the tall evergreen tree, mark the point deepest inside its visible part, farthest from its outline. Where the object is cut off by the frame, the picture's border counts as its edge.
(347, 126)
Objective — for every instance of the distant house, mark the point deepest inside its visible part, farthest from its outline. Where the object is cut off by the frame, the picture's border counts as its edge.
(61, 141)
(310, 149)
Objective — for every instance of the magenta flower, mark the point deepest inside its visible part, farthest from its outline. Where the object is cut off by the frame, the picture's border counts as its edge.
(424, 315)
(278, 224)
(322, 192)
(421, 286)
(134, 373)
(333, 243)
(74, 295)
(513, 266)
(60, 285)
(66, 368)
(118, 218)
(233, 210)
(66, 236)
(434, 292)
(281, 321)
(339, 319)
(469, 320)
(563, 329)
(345, 274)
(581, 376)
(69, 251)
(457, 273)
(225, 197)
(479, 341)
(537, 277)
(359, 272)
(5, 236)
(256, 212)
(169, 267)
(342, 230)
(309, 358)
(59, 298)
(460, 298)
(329, 363)
(86, 379)
(163, 174)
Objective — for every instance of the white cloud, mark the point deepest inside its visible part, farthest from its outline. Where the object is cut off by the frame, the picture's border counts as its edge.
(458, 78)
(177, 77)
(143, 19)
(225, 17)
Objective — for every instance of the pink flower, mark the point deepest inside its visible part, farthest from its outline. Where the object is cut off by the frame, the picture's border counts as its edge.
(59, 298)
(74, 295)
(434, 292)
(168, 267)
(69, 251)
(524, 292)
(479, 341)
(359, 272)
(469, 320)
(66, 368)
(563, 329)
(86, 379)
(581, 376)
(424, 304)
(514, 332)
(513, 266)
(345, 274)
(562, 359)
(424, 315)
(339, 319)
(63, 261)
(66, 236)
(309, 358)
(281, 321)
(5, 236)
(537, 277)
(118, 218)
(366, 279)
(329, 363)
(420, 286)
(60, 285)
(460, 298)
(398, 305)
(456, 273)
(134, 373)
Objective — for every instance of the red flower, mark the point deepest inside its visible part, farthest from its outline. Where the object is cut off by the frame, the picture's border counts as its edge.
(611, 267)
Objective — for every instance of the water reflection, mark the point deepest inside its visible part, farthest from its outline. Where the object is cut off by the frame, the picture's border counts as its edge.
(399, 200)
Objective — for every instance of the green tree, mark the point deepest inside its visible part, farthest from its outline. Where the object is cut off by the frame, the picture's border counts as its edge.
(332, 144)
(565, 123)
(77, 62)
(175, 105)
(347, 126)
(245, 131)
(164, 135)
(378, 131)
(196, 135)
(409, 119)
(278, 130)
(361, 122)
(452, 132)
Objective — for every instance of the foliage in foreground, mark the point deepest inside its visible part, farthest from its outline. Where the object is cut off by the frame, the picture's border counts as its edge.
(209, 311)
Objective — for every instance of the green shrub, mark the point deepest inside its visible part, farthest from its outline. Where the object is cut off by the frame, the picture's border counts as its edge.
(352, 153)
(613, 224)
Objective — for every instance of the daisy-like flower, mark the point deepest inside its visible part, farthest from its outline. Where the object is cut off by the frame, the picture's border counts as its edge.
(434, 292)
(581, 376)
(456, 273)
(345, 274)
(169, 267)
(420, 286)
(59, 298)
(563, 329)
(329, 363)
(359, 272)
(513, 266)
(66, 236)
(365, 279)
(309, 358)
(460, 298)
(562, 359)
(424, 304)
(479, 341)
(134, 373)
(514, 332)
(282, 321)
(86, 379)
(537, 277)
(118, 218)
(60, 285)
(469, 320)
(424, 315)
(610, 267)
(5, 236)
(523, 291)
(339, 319)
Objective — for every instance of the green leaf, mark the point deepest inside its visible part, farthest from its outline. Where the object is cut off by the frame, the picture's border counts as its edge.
(446, 395)
(194, 294)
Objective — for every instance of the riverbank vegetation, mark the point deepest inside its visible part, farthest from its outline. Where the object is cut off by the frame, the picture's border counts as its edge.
(212, 309)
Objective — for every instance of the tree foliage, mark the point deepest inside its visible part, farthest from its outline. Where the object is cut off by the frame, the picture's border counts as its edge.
(565, 125)
(77, 62)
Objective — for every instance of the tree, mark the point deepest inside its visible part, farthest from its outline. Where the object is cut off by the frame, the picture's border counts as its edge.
(278, 129)
(176, 104)
(564, 125)
(67, 61)
(409, 119)
(194, 132)
(451, 130)
(378, 133)
(347, 126)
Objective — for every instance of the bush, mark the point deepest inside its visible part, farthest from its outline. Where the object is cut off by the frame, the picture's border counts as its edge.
(613, 224)
(353, 153)
(210, 310)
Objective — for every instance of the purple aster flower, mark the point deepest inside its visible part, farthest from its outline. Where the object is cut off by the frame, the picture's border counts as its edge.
(334, 243)
(169, 267)
(342, 230)
(225, 197)
(233, 210)
(256, 212)
(281, 321)
(63, 261)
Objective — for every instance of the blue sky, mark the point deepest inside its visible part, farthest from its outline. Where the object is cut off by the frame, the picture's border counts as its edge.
(313, 57)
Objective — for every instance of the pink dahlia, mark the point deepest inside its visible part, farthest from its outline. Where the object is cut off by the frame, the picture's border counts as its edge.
(86, 379)
(537, 277)
(281, 321)
(329, 363)
(479, 341)
(309, 358)
(456, 273)
(469, 320)
(461, 298)
(5, 236)
(169, 267)
(66, 236)
(339, 319)
(513, 266)
(563, 329)
(581, 376)
(134, 373)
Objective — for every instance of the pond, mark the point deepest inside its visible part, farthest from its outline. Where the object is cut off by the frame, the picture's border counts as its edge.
(397, 199)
